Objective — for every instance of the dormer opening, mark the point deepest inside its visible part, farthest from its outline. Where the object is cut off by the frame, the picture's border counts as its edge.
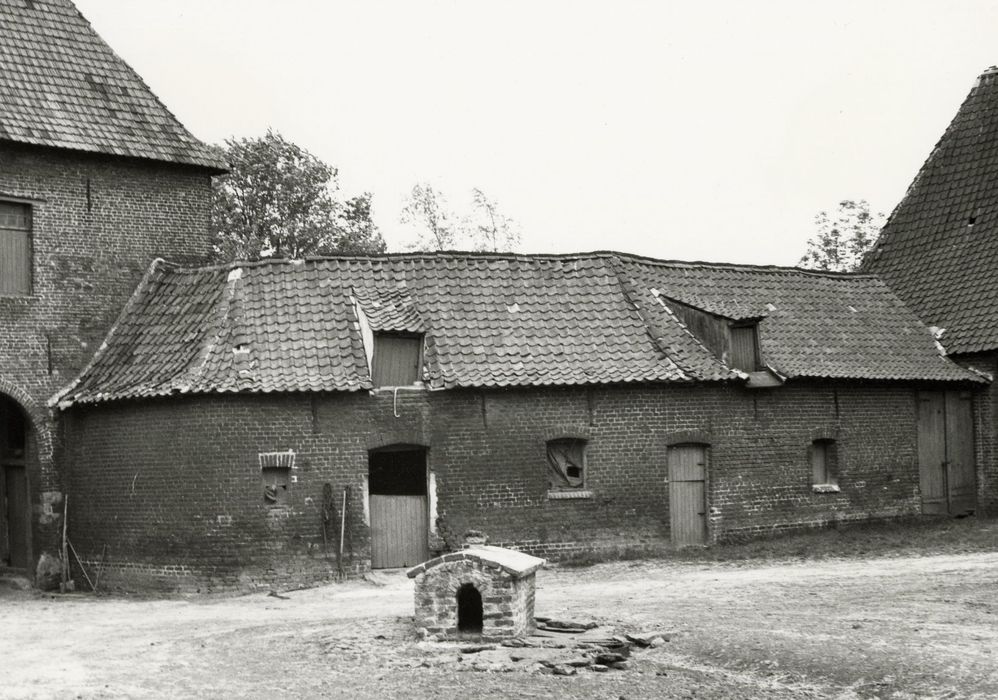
(744, 353)
(397, 359)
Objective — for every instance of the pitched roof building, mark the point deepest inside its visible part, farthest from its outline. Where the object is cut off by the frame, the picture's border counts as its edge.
(939, 253)
(553, 402)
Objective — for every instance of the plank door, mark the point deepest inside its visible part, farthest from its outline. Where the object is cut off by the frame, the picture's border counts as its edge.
(398, 531)
(687, 495)
(932, 451)
(961, 477)
(946, 462)
(14, 507)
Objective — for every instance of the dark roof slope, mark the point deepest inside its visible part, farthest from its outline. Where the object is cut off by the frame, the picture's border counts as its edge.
(939, 249)
(812, 324)
(62, 86)
(490, 321)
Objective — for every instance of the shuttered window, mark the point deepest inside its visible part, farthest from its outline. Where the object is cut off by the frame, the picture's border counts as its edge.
(15, 248)
(396, 359)
(743, 348)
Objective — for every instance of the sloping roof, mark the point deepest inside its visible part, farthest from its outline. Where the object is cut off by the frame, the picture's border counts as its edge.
(491, 321)
(939, 248)
(62, 86)
(517, 564)
(818, 325)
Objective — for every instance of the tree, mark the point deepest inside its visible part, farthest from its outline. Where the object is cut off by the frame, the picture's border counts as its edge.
(841, 242)
(427, 210)
(358, 232)
(490, 229)
(483, 227)
(279, 200)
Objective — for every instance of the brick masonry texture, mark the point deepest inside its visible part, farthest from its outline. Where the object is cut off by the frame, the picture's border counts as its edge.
(173, 485)
(98, 222)
(985, 417)
(507, 600)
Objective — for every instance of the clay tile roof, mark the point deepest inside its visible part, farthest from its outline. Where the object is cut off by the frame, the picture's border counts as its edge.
(390, 310)
(62, 86)
(491, 321)
(939, 248)
(811, 324)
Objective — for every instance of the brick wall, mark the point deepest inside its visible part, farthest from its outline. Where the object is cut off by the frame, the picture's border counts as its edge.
(177, 483)
(985, 429)
(97, 224)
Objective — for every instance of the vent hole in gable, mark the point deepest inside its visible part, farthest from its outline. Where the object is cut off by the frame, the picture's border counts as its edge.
(469, 609)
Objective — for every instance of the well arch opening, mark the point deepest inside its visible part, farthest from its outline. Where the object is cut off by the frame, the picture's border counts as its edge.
(469, 609)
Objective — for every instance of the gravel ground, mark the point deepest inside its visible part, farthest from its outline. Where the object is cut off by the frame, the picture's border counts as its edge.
(902, 627)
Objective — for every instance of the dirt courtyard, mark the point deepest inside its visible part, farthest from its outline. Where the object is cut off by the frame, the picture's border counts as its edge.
(896, 627)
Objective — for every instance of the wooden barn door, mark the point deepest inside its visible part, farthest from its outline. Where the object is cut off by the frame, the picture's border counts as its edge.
(946, 452)
(398, 507)
(687, 494)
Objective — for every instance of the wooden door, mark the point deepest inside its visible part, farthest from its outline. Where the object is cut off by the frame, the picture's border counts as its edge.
(687, 495)
(946, 461)
(932, 451)
(398, 531)
(961, 477)
(14, 513)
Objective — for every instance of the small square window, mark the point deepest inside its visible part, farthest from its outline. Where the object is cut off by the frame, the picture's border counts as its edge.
(275, 473)
(275, 485)
(566, 467)
(15, 249)
(824, 463)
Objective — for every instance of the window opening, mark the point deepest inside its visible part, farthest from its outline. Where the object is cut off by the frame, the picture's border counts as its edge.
(469, 609)
(744, 348)
(397, 359)
(275, 473)
(824, 463)
(567, 463)
(15, 248)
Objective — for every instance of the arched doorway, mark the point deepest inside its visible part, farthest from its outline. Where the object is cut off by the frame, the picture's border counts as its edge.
(15, 522)
(469, 609)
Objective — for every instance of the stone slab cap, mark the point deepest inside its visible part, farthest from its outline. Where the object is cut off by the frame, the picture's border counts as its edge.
(512, 562)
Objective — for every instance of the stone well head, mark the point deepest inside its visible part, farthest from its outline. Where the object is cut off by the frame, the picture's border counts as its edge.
(481, 592)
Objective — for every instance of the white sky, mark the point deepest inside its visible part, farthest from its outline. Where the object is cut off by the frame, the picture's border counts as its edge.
(692, 131)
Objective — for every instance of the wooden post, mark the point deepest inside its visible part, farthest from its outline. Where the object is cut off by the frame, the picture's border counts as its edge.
(65, 551)
(343, 524)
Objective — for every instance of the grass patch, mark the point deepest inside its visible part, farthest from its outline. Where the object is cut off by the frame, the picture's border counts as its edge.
(904, 537)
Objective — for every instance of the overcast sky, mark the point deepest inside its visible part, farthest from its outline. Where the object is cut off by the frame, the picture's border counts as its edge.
(694, 131)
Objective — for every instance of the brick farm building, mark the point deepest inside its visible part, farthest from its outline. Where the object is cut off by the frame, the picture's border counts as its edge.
(245, 425)
(555, 403)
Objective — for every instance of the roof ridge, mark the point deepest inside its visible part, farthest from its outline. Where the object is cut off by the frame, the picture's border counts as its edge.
(565, 257)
